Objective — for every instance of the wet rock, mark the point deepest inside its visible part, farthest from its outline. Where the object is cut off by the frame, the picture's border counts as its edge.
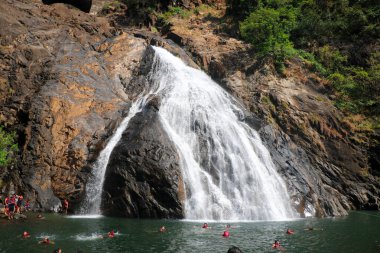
(143, 177)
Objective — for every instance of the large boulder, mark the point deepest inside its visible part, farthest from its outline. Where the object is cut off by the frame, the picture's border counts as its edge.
(143, 177)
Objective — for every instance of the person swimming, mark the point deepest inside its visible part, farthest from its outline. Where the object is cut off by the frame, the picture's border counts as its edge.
(46, 240)
(111, 234)
(289, 231)
(234, 249)
(205, 225)
(25, 234)
(162, 229)
(226, 233)
(276, 245)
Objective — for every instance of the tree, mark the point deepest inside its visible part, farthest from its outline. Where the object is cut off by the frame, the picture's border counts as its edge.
(269, 30)
(8, 147)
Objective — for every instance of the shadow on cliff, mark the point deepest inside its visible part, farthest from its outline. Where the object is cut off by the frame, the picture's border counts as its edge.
(83, 5)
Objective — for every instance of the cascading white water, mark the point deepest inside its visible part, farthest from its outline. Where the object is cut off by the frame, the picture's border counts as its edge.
(228, 173)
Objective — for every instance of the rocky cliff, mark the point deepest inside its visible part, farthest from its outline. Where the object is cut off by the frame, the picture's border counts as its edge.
(63, 77)
(327, 172)
(68, 78)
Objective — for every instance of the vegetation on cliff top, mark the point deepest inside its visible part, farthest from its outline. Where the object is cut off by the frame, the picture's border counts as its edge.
(337, 39)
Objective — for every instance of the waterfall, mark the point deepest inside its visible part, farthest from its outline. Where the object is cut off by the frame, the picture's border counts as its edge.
(227, 172)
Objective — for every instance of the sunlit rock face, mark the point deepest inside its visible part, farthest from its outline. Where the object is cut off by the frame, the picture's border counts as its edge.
(66, 95)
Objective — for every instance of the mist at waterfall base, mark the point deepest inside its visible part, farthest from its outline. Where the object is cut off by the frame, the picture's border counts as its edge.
(227, 172)
(358, 232)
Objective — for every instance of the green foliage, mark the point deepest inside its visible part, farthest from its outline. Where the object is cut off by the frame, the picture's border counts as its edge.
(268, 30)
(335, 38)
(330, 58)
(8, 147)
(114, 5)
(203, 7)
(174, 12)
(312, 62)
(327, 21)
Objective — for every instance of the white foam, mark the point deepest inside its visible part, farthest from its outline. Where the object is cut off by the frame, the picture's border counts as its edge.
(88, 237)
(84, 216)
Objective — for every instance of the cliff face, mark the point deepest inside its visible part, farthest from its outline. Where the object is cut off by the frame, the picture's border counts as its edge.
(327, 173)
(64, 75)
(68, 78)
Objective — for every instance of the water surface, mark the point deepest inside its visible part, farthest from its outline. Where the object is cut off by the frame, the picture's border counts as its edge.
(358, 232)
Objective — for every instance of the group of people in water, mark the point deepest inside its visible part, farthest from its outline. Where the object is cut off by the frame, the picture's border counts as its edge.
(275, 246)
(14, 204)
(47, 241)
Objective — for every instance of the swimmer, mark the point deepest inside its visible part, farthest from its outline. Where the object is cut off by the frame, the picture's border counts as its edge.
(205, 225)
(228, 226)
(111, 234)
(162, 229)
(59, 250)
(276, 245)
(25, 234)
(226, 234)
(46, 241)
(234, 249)
(289, 231)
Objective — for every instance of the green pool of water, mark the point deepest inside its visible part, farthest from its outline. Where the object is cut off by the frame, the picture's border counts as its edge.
(357, 233)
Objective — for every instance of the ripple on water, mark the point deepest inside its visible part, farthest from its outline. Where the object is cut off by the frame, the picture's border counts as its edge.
(46, 235)
(88, 237)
